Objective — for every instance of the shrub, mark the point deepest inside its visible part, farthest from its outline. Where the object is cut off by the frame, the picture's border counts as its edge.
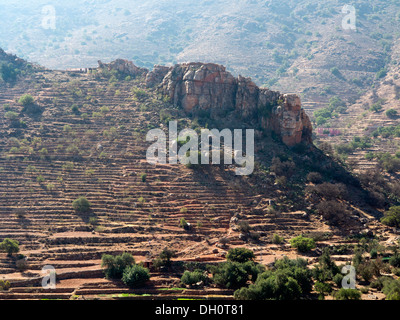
(395, 260)
(240, 255)
(75, 109)
(183, 223)
(10, 246)
(244, 226)
(4, 285)
(26, 100)
(276, 239)
(285, 168)
(376, 107)
(322, 288)
(314, 177)
(114, 266)
(365, 271)
(347, 294)
(81, 204)
(290, 280)
(391, 113)
(337, 279)
(391, 288)
(302, 244)
(381, 73)
(191, 278)
(326, 268)
(143, 177)
(329, 191)
(11, 115)
(373, 253)
(135, 276)
(332, 211)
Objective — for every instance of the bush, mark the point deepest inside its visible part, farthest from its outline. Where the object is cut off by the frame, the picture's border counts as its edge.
(11, 115)
(332, 211)
(240, 255)
(288, 281)
(26, 100)
(302, 244)
(337, 279)
(4, 285)
(276, 239)
(191, 278)
(75, 109)
(183, 223)
(10, 246)
(114, 266)
(329, 191)
(135, 276)
(392, 217)
(347, 294)
(285, 168)
(395, 260)
(392, 114)
(323, 288)
(165, 257)
(231, 275)
(314, 177)
(81, 204)
(326, 268)
(244, 226)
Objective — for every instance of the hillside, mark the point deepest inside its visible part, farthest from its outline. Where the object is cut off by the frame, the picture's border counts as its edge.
(84, 135)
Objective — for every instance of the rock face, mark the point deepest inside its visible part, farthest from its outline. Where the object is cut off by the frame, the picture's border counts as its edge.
(156, 76)
(209, 89)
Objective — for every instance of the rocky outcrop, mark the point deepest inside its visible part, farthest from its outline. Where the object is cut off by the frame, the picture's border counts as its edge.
(125, 67)
(156, 76)
(208, 88)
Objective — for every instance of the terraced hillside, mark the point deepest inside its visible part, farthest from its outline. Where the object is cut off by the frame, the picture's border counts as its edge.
(84, 135)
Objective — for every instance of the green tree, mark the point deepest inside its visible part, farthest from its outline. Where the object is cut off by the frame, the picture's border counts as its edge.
(165, 256)
(191, 278)
(392, 217)
(114, 266)
(240, 255)
(302, 244)
(347, 294)
(135, 276)
(8, 72)
(81, 204)
(10, 246)
(231, 275)
(391, 288)
(391, 113)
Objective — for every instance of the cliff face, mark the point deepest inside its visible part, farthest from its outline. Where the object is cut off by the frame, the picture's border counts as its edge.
(201, 88)
(198, 87)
